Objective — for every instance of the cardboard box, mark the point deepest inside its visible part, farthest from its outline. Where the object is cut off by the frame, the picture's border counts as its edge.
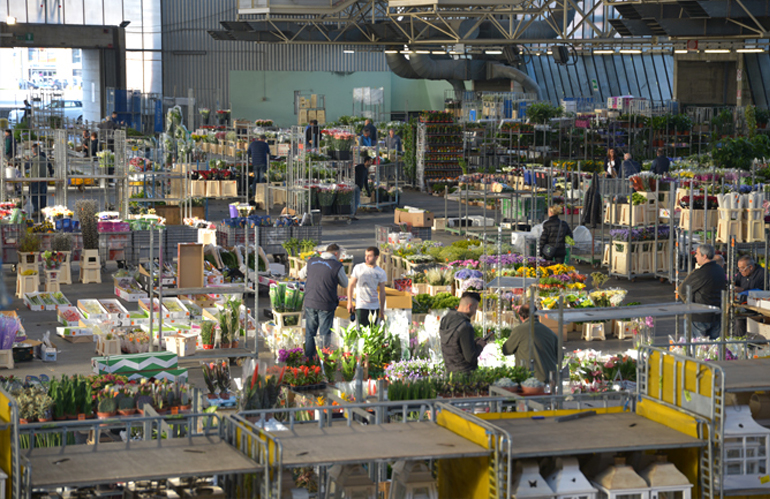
(320, 115)
(553, 323)
(95, 315)
(182, 344)
(311, 115)
(75, 319)
(177, 314)
(129, 295)
(415, 219)
(28, 302)
(397, 299)
(115, 310)
(148, 361)
(313, 101)
(302, 119)
(76, 334)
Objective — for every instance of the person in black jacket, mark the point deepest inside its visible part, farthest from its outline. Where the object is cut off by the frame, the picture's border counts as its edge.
(629, 166)
(706, 284)
(750, 276)
(555, 231)
(362, 181)
(459, 345)
(661, 164)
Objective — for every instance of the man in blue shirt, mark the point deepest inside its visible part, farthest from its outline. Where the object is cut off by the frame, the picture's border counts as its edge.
(366, 139)
(259, 152)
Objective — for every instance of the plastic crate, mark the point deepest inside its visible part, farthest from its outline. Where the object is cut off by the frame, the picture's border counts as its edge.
(230, 236)
(523, 208)
(314, 233)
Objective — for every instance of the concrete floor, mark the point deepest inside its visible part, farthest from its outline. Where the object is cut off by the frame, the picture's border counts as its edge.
(75, 358)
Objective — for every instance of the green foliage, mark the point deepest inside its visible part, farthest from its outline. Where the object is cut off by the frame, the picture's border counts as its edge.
(762, 116)
(409, 141)
(751, 121)
(445, 300)
(542, 112)
(207, 332)
(739, 152)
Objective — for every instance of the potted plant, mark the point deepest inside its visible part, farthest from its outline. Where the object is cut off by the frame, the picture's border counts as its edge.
(261, 392)
(56, 391)
(29, 248)
(229, 323)
(532, 386)
(108, 404)
(126, 402)
(207, 334)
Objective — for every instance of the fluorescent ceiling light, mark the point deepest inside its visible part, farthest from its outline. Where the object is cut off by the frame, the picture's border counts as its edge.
(717, 51)
(680, 51)
(10, 20)
(549, 52)
(348, 51)
(630, 51)
(750, 50)
(493, 52)
(422, 52)
(604, 51)
(439, 52)
(391, 51)
(407, 52)
(538, 54)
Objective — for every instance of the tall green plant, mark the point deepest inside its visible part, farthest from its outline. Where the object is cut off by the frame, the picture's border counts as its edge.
(409, 140)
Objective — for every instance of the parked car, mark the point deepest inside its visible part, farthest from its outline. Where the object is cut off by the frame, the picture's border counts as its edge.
(15, 115)
(73, 109)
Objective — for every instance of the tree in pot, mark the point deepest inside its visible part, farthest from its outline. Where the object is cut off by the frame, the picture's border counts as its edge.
(86, 210)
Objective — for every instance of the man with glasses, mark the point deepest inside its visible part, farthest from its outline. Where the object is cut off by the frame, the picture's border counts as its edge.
(750, 276)
(706, 284)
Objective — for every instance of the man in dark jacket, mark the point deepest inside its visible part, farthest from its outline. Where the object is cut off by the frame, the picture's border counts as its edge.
(555, 231)
(39, 167)
(259, 153)
(750, 276)
(312, 132)
(459, 345)
(661, 164)
(544, 350)
(706, 285)
(362, 181)
(368, 125)
(322, 275)
(629, 166)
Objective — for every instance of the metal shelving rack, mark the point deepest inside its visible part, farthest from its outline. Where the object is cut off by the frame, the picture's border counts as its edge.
(244, 289)
(451, 139)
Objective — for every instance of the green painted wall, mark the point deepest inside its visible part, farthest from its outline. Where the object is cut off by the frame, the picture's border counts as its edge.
(270, 95)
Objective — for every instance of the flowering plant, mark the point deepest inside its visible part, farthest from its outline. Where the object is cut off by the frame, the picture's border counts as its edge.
(472, 284)
(698, 202)
(223, 112)
(414, 369)
(263, 123)
(52, 260)
(303, 376)
(468, 274)
(204, 112)
(293, 357)
(339, 140)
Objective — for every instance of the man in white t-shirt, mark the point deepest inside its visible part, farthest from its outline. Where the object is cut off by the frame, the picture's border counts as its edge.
(368, 280)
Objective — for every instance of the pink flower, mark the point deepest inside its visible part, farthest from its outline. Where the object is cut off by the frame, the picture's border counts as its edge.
(609, 364)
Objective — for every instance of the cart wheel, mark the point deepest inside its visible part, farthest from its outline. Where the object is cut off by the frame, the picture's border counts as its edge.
(350, 221)
(662, 280)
